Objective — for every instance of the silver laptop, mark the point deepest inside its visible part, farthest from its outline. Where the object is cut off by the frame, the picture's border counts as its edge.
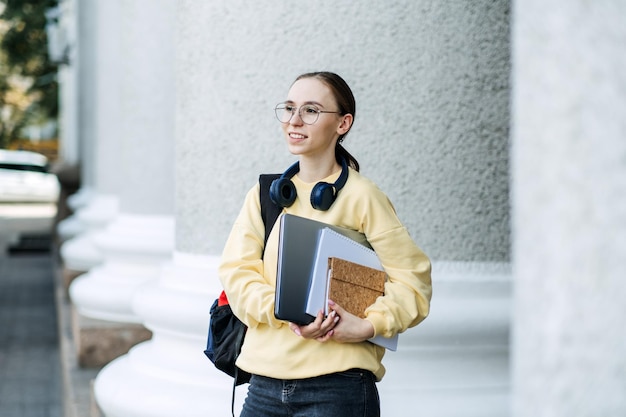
(297, 248)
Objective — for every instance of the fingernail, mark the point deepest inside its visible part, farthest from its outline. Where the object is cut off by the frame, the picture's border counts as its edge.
(297, 331)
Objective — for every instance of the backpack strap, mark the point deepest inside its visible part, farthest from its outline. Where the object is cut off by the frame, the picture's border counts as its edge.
(269, 213)
(269, 210)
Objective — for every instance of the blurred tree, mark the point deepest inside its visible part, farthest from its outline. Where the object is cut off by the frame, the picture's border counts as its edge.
(28, 86)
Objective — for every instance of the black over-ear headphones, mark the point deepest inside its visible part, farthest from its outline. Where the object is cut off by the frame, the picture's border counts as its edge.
(283, 191)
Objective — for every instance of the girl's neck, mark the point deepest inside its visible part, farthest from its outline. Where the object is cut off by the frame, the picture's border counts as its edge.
(314, 170)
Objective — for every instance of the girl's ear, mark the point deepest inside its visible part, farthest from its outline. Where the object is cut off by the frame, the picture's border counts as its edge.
(346, 124)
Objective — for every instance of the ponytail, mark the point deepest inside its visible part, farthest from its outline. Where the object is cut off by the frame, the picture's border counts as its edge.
(342, 153)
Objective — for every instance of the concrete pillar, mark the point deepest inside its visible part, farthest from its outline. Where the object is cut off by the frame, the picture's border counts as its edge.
(69, 145)
(569, 205)
(141, 236)
(97, 118)
(62, 45)
(169, 374)
(431, 82)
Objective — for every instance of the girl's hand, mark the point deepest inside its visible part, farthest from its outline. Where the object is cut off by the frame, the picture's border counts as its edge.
(340, 326)
(320, 329)
(350, 328)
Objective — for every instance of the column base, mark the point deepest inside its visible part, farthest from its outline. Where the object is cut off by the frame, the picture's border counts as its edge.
(169, 374)
(455, 363)
(131, 387)
(79, 252)
(133, 248)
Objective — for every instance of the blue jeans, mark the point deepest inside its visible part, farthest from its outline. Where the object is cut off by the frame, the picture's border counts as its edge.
(351, 393)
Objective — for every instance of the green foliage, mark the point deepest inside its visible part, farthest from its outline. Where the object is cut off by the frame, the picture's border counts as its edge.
(28, 86)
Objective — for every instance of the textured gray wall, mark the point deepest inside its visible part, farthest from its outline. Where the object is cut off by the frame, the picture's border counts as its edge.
(147, 83)
(431, 83)
(569, 199)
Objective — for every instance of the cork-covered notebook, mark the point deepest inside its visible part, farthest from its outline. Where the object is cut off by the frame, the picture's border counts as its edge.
(353, 286)
(297, 251)
(334, 245)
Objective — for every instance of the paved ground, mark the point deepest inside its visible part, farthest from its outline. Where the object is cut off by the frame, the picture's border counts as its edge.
(30, 366)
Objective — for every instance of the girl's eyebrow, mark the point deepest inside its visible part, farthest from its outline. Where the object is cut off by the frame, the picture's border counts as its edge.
(306, 102)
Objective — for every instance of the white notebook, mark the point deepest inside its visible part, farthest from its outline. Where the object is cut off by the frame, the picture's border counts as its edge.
(333, 244)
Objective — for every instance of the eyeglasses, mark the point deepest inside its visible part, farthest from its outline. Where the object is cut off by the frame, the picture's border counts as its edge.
(308, 113)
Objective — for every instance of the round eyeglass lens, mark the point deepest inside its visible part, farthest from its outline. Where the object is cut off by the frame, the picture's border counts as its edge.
(309, 114)
(283, 113)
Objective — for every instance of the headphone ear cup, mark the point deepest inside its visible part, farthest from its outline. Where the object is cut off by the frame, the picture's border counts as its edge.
(283, 192)
(323, 196)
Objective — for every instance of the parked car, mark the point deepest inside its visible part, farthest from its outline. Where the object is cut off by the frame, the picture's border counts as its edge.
(24, 178)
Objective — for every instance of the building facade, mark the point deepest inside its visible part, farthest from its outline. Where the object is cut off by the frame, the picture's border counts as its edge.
(182, 112)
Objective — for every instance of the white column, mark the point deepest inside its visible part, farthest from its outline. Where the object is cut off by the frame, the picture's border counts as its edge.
(98, 68)
(569, 205)
(69, 147)
(169, 374)
(139, 95)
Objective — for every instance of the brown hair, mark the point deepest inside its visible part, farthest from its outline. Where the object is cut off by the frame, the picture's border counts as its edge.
(347, 105)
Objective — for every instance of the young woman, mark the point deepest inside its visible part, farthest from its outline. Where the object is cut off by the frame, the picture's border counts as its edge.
(326, 368)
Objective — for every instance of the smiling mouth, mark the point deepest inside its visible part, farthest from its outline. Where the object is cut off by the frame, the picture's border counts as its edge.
(296, 136)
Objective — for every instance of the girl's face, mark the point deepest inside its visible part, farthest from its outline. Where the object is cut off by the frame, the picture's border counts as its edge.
(316, 140)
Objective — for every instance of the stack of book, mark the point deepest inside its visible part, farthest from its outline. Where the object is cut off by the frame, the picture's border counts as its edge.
(318, 262)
